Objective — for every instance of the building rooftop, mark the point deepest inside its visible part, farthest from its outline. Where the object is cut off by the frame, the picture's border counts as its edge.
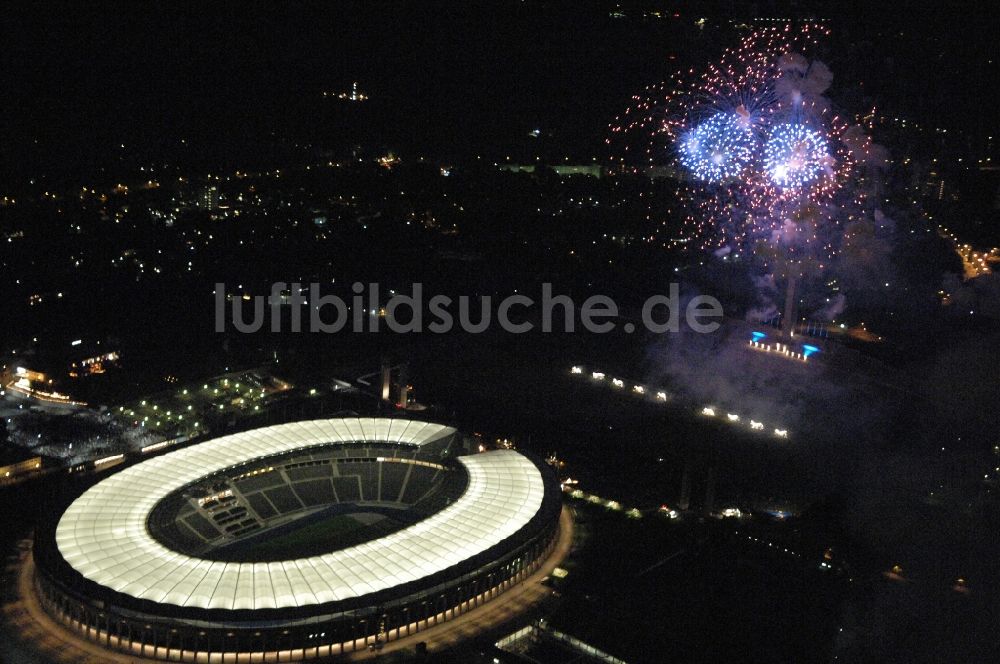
(103, 534)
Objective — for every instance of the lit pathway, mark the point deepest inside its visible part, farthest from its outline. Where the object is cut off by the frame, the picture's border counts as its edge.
(492, 614)
(37, 631)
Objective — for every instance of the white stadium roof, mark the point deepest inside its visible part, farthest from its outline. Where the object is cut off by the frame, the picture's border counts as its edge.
(103, 534)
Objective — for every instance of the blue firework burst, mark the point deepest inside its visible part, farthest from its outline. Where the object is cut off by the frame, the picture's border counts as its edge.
(795, 155)
(719, 148)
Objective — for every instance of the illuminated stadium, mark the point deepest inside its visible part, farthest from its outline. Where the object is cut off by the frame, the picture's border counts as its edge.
(295, 541)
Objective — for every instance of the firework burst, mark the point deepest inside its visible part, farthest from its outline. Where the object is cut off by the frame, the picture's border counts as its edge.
(796, 156)
(756, 150)
(718, 149)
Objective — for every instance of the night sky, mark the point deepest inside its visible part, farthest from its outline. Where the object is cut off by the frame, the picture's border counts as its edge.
(445, 79)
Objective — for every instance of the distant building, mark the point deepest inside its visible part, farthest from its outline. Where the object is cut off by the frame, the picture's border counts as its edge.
(17, 463)
(593, 170)
(32, 384)
(353, 94)
(209, 198)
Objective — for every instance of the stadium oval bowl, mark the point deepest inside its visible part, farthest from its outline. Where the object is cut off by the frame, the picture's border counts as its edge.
(174, 557)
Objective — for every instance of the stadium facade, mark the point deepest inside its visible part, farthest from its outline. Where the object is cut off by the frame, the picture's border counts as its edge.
(181, 557)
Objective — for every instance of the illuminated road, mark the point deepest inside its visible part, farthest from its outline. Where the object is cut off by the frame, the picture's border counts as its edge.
(493, 614)
(39, 633)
